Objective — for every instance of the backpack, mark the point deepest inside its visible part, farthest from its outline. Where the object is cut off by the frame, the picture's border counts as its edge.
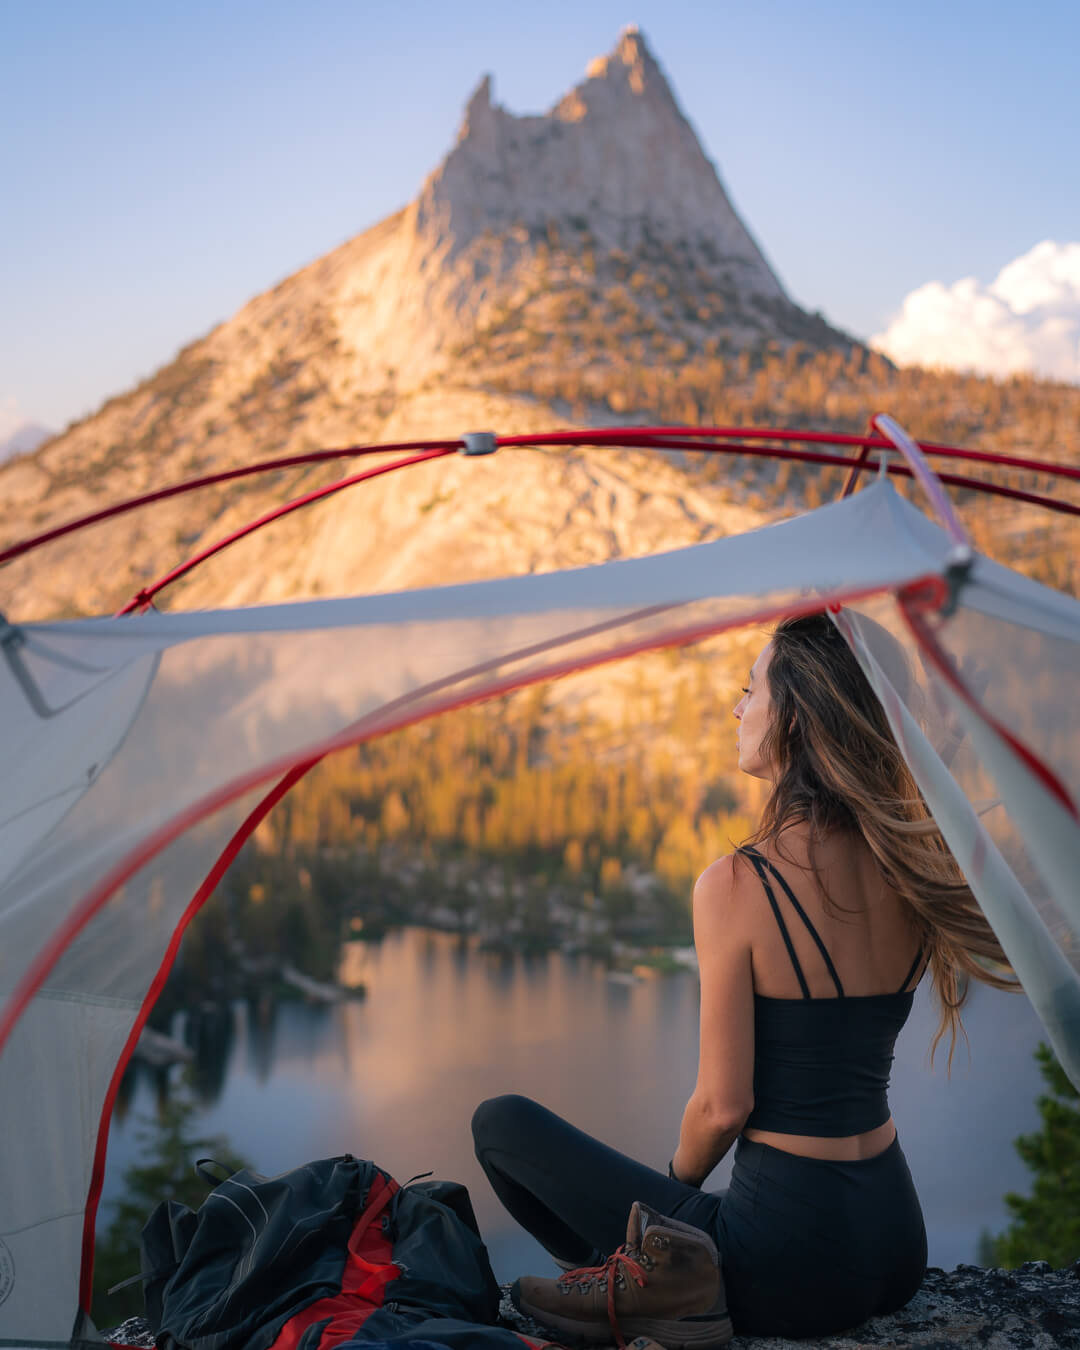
(332, 1253)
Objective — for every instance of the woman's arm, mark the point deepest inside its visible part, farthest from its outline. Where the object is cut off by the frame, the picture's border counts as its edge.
(723, 1096)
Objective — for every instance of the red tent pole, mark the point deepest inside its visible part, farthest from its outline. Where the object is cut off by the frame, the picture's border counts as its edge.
(145, 597)
(210, 480)
(643, 437)
(857, 467)
(917, 602)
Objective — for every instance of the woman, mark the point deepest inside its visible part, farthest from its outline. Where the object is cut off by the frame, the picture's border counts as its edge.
(810, 942)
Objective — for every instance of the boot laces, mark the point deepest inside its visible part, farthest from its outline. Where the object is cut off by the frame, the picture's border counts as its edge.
(624, 1262)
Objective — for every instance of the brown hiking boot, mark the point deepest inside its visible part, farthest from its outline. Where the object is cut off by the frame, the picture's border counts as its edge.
(665, 1282)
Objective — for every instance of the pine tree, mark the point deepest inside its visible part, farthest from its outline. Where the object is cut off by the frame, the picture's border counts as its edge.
(1046, 1224)
(165, 1171)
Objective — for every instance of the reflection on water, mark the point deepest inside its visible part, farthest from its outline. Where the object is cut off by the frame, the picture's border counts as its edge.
(397, 1076)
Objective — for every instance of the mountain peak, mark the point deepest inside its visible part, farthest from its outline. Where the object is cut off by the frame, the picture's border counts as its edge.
(478, 110)
(574, 259)
(615, 151)
(630, 71)
(631, 59)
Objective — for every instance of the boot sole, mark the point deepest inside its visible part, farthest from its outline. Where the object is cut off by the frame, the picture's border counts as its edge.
(682, 1333)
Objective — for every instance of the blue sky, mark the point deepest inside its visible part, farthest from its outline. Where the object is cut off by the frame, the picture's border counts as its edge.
(161, 163)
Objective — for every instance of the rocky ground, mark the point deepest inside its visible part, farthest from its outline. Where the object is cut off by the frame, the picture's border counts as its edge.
(1033, 1308)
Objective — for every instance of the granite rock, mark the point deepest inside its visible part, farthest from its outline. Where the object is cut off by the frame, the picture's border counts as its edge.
(1032, 1308)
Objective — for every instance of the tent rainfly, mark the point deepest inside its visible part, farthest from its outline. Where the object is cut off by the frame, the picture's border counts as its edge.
(142, 751)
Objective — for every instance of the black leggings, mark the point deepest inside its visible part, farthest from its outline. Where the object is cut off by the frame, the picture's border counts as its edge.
(808, 1247)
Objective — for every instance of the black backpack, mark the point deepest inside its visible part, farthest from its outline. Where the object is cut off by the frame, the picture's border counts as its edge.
(327, 1254)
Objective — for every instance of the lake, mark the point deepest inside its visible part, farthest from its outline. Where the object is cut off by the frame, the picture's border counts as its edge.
(395, 1077)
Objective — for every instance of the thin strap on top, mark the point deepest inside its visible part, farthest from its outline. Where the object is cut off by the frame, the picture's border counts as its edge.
(914, 967)
(760, 870)
(760, 862)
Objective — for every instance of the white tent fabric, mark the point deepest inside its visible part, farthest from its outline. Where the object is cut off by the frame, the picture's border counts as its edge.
(140, 745)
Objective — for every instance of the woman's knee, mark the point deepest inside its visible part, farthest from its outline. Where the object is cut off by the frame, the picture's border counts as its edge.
(500, 1120)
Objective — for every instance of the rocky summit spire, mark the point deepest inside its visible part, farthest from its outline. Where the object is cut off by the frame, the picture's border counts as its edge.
(586, 262)
(616, 151)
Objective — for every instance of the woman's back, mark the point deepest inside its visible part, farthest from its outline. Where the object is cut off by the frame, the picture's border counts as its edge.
(831, 992)
(867, 930)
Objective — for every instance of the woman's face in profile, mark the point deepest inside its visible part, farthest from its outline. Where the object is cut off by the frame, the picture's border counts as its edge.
(753, 712)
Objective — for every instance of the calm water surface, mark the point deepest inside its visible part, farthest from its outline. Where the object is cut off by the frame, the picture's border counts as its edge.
(396, 1077)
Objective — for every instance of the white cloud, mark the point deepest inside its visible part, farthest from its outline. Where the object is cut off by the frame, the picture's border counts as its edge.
(1027, 319)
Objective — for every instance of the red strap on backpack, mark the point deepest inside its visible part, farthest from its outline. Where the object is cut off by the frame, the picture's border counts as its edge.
(368, 1270)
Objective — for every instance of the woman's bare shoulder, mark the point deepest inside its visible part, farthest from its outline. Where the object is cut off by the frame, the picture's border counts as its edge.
(718, 877)
(724, 881)
(722, 918)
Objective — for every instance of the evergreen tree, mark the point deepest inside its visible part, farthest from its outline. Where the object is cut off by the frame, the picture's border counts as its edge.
(165, 1170)
(1046, 1224)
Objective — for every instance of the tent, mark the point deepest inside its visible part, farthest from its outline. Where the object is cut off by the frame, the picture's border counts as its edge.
(144, 748)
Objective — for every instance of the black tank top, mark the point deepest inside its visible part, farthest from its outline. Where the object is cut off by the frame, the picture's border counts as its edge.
(821, 1065)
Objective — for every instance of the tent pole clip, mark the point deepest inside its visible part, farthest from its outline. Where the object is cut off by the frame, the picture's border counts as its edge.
(11, 639)
(479, 443)
(10, 636)
(957, 572)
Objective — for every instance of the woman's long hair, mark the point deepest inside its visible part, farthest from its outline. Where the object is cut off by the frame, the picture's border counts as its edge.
(839, 767)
